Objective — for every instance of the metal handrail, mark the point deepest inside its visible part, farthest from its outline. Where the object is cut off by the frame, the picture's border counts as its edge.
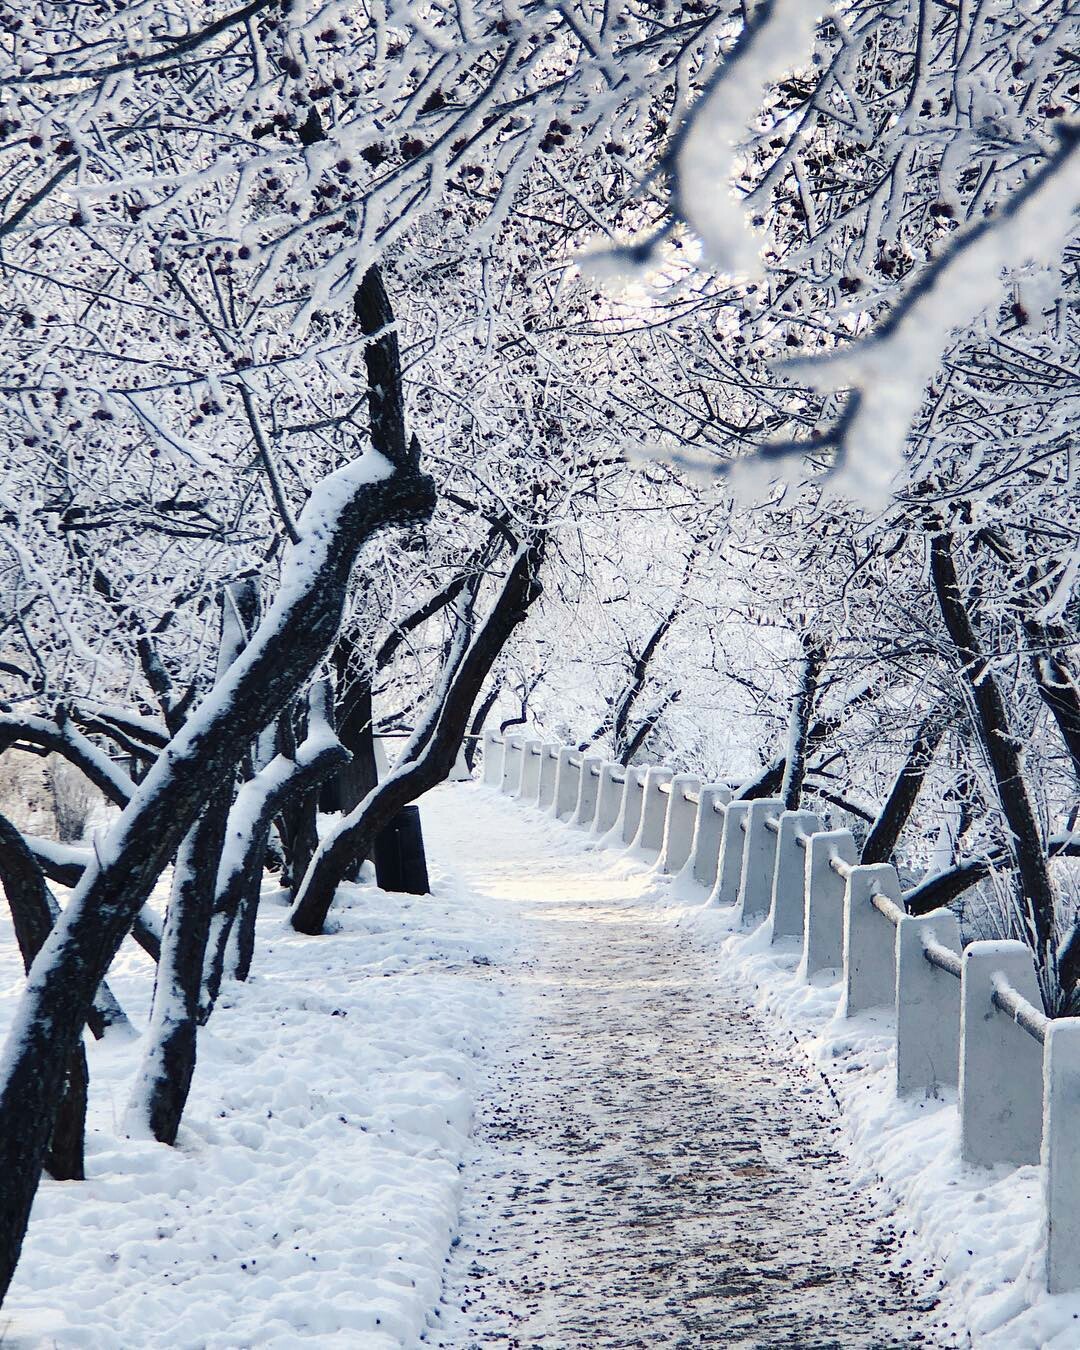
(840, 865)
(553, 752)
(941, 957)
(594, 770)
(802, 839)
(1009, 1001)
(618, 776)
(665, 788)
(536, 750)
(887, 907)
(689, 795)
(772, 824)
(574, 761)
(719, 807)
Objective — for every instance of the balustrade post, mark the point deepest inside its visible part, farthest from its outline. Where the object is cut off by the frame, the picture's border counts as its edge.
(588, 792)
(679, 823)
(630, 809)
(927, 1006)
(1001, 1067)
(729, 865)
(1061, 1154)
(788, 909)
(549, 767)
(609, 798)
(566, 782)
(654, 808)
(530, 771)
(823, 921)
(513, 747)
(708, 829)
(869, 940)
(493, 757)
(759, 859)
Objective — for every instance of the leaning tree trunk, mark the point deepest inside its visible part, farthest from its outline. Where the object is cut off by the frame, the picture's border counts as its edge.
(32, 918)
(900, 802)
(164, 1080)
(433, 752)
(343, 512)
(802, 708)
(1005, 757)
(240, 874)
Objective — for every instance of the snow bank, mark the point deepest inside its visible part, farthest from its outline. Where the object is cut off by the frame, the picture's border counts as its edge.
(315, 1188)
(978, 1231)
(982, 1230)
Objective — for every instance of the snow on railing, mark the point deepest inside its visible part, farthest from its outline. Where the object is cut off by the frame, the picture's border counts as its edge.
(966, 1018)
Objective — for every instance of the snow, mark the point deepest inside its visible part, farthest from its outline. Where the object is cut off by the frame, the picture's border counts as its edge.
(981, 1229)
(316, 1183)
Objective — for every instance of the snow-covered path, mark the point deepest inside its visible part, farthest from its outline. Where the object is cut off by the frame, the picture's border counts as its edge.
(651, 1168)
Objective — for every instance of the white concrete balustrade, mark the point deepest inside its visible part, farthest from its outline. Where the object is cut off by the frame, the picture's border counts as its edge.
(969, 1021)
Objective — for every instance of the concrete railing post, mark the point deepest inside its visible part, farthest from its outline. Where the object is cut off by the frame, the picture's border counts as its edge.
(869, 940)
(630, 808)
(654, 807)
(729, 865)
(530, 771)
(823, 919)
(549, 767)
(588, 792)
(609, 795)
(759, 859)
(1061, 1154)
(927, 1006)
(1001, 1071)
(708, 829)
(567, 777)
(679, 824)
(513, 746)
(788, 909)
(493, 758)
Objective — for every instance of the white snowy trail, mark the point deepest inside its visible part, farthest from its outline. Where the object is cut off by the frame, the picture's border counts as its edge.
(650, 1167)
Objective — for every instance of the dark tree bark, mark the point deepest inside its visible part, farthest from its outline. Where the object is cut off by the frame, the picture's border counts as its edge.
(32, 918)
(169, 1063)
(57, 864)
(648, 726)
(894, 815)
(802, 708)
(434, 749)
(476, 726)
(257, 803)
(1036, 898)
(164, 1080)
(286, 650)
(1049, 646)
(639, 673)
(770, 780)
(62, 737)
(943, 887)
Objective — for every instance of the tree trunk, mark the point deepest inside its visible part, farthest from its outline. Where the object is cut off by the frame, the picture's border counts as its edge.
(240, 875)
(343, 512)
(893, 816)
(1004, 754)
(164, 1080)
(430, 757)
(802, 708)
(32, 918)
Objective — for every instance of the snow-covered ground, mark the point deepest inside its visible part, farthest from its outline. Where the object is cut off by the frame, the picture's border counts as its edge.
(981, 1229)
(318, 1182)
(316, 1185)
